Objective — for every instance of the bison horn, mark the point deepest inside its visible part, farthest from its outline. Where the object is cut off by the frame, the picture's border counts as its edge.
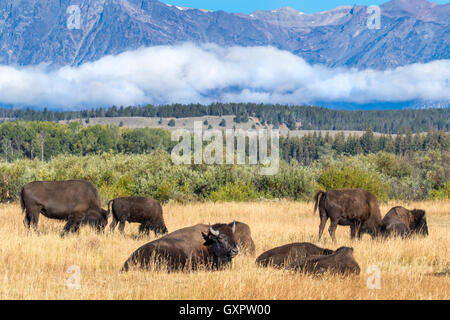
(213, 232)
(233, 228)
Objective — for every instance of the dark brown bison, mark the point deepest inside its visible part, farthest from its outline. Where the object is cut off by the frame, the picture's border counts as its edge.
(341, 262)
(243, 237)
(146, 211)
(284, 255)
(76, 201)
(403, 222)
(188, 248)
(348, 207)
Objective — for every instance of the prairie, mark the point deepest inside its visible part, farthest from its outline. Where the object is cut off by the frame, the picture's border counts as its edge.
(187, 123)
(37, 265)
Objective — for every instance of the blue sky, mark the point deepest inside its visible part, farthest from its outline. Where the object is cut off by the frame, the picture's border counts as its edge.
(248, 6)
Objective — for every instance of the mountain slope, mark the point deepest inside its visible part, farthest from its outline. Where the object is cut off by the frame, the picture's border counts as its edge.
(34, 32)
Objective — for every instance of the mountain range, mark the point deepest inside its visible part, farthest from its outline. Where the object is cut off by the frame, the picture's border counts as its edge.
(34, 31)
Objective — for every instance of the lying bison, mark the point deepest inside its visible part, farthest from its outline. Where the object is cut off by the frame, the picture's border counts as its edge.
(243, 237)
(348, 207)
(146, 211)
(284, 255)
(76, 201)
(403, 222)
(340, 262)
(188, 248)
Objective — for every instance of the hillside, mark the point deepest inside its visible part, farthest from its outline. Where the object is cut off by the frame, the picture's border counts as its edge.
(244, 115)
(34, 32)
(213, 121)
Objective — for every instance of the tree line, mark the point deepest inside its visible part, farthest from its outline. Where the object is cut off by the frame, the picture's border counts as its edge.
(294, 117)
(45, 140)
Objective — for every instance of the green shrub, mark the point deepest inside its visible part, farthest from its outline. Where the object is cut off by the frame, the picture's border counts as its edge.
(154, 175)
(236, 191)
(348, 177)
(441, 194)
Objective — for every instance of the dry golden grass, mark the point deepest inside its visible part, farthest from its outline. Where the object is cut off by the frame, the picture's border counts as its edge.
(34, 265)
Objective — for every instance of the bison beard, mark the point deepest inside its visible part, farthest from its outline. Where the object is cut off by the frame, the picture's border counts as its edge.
(243, 237)
(188, 248)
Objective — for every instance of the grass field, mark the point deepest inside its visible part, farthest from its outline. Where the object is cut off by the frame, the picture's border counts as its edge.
(188, 124)
(34, 265)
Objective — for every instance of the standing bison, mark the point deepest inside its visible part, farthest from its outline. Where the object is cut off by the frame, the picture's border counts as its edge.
(339, 262)
(146, 211)
(282, 256)
(348, 207)
(188, 248)
(403, 222)
(76, 201)
(243, 237)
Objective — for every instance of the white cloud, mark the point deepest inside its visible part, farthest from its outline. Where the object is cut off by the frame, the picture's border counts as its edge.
(188, 73)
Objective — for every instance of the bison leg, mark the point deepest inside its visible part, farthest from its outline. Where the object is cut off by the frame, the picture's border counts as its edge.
(76, 226)
(352, 231)
(113, 224)
(121, 226)
(332, 229)
(355, 230)
(323, 222)
(359, 233)
(144, 229)
(66, 228)
(31, 217)
(72, 225)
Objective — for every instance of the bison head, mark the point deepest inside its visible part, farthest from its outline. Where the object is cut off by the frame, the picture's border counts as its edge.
(97, 220)
(161, 230)
(420, 222)
(372, 228)
(346, 262)
(221, 243)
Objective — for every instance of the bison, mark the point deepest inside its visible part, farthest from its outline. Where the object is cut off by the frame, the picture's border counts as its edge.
(243, 237)
(348, 207)
(189, 248)
(284, 255)
(76, 201)
(339, 262)
(146, 211)
(403, 222)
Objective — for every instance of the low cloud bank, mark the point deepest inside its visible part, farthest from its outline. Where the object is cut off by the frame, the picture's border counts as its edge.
(189, 74)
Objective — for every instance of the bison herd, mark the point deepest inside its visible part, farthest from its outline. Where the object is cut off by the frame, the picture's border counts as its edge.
(214, 246)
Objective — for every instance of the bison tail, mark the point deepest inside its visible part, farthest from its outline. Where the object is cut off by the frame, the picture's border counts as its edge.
(109, 209)
(22, 202)
(317, 198)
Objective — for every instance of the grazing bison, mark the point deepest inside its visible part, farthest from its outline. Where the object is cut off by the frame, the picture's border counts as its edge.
(284, 255)
(348, 207)
(243, 237)
(188, 248)
(403, 222)
(341, 261)
(76, 201)
(146, 211)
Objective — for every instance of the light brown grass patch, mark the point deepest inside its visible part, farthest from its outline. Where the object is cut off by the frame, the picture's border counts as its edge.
(33, 265)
